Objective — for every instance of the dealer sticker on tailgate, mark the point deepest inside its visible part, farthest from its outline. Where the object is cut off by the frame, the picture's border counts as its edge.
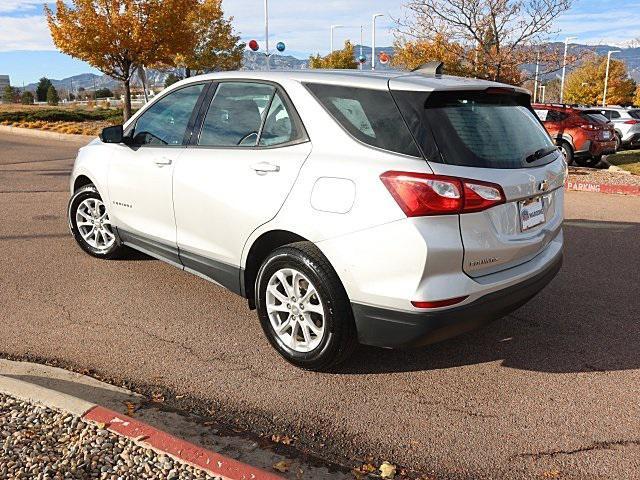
(531, 213)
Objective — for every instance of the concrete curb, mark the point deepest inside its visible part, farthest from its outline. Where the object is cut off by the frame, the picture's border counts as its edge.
(32, 393)
(603, 188)
(137, 431)
(29, 132)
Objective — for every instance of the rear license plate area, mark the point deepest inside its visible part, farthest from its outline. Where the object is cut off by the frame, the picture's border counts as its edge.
(531, 213)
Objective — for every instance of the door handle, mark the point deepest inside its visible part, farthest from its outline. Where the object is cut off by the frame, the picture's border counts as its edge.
(162, 161)
(265, 167)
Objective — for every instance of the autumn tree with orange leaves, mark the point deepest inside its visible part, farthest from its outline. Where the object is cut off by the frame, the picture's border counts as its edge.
(585, 84)
(117, 36)
(216, 46)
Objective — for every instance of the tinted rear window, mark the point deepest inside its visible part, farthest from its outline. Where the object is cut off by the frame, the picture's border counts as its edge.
(635, 114)
(371, 116)
(474, 129)
(594, 117)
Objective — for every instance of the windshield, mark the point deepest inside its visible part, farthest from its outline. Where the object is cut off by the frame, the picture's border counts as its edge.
(475, 129)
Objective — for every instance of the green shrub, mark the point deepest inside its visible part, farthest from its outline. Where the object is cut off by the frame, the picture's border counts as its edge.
(61, 115)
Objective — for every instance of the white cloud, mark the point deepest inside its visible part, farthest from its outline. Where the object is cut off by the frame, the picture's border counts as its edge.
(613, 27)
(25, 33)
(19, 6)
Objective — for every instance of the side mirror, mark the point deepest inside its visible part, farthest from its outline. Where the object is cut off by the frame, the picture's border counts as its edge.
(113, 134)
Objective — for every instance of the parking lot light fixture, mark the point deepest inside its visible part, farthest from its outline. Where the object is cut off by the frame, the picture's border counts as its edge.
(333, 27)
(564, 66)
(606, 76)
(373, 39)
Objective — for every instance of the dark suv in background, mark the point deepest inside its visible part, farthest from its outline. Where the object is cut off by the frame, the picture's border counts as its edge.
(583, 137)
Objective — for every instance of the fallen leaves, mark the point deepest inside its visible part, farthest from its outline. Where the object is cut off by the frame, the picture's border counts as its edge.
(387, 470)
(282, 466)
(554, 473)
(157, 397)
(283, 439)
(131, 408)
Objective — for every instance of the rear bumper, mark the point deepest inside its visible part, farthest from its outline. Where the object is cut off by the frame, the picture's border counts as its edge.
(594, 148)
(393, 329)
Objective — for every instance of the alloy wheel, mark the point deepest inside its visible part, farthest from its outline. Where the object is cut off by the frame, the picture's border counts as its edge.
(295, 310)
(94, 225)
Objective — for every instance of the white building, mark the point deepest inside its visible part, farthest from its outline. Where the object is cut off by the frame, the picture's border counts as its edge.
(4, 82)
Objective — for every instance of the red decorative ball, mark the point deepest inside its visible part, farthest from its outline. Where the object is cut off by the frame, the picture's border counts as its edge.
(253, 45)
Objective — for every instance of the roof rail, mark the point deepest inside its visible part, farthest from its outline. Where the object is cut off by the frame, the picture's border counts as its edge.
(430, 68)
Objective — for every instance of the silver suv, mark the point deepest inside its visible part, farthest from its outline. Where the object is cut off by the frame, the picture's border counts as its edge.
(391, 209)
(626, 122)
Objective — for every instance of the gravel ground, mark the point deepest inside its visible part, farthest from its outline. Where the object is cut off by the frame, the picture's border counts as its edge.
(39, 443)
(580, 174)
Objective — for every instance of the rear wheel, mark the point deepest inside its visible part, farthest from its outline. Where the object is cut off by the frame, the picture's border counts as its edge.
(618, 142)
(90, 224)
(567, 151)
(304, 309)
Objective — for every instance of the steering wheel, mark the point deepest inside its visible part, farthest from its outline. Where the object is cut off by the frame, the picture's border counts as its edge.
(247, 136)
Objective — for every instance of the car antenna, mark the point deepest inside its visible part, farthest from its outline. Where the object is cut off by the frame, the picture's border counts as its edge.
(430, 68)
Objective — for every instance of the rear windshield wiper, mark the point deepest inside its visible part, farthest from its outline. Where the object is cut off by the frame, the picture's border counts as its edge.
(538, 154)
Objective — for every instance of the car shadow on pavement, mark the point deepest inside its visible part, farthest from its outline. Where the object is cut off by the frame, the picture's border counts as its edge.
(586, 320)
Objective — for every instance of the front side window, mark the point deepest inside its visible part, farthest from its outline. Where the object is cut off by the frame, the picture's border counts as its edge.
(371, 116)
(476, 128)
(165, 122)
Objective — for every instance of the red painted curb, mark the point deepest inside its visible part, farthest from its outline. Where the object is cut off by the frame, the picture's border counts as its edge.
(602, 188)
(213, 462)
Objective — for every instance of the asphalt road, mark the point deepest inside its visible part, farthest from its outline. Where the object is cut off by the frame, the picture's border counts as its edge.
(552, 391)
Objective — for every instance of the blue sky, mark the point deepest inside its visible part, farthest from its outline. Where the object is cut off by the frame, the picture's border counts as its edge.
(27, 53)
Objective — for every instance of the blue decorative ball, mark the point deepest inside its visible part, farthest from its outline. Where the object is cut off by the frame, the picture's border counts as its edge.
(280, 46)
(362, 59)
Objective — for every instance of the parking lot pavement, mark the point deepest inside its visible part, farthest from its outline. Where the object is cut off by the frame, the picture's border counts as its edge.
(551, 391)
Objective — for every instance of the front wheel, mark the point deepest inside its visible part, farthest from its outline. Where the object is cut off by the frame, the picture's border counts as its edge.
(304, 309)
(90, 224)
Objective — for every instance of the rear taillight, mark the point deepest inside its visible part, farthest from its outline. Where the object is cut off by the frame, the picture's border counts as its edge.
(438, 303)
(632, 122)
(590, 126)
(421, 194)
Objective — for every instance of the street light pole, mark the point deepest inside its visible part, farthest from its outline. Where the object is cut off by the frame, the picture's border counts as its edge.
(333, 27)
(266, 31)
(564, 65)
(361, 42)
(373, 39)
(543, 88)
(606, 77)
(535, 81)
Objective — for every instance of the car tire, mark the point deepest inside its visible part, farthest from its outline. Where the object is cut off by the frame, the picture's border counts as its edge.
(567, 151)
(589, 162)
(618, 142)
(90, 225)
(324, 334)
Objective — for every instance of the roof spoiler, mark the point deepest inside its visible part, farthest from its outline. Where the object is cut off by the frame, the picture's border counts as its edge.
(431, 68)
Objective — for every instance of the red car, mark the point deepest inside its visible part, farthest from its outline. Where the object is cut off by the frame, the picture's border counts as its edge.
(583, 137)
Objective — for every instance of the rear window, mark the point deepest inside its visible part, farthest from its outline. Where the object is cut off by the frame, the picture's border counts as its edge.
(634, 114)
(370, 116)
(594, 117)
(475, 129)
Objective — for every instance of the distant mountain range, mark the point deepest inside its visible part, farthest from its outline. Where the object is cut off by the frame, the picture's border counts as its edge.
(257, 61)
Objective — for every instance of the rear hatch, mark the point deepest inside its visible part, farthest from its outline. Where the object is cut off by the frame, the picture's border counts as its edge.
(492, 135)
